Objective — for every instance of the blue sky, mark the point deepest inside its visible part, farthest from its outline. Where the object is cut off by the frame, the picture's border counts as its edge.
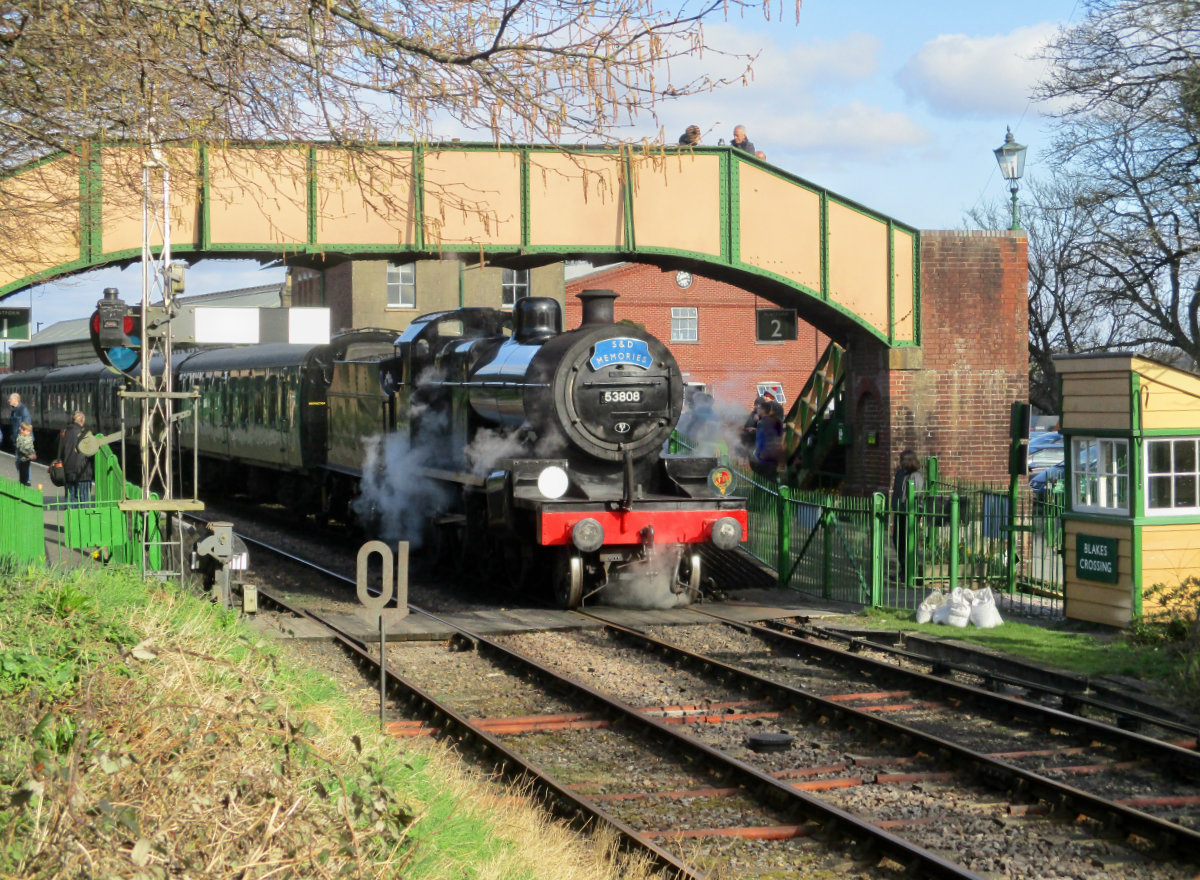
(895, 105)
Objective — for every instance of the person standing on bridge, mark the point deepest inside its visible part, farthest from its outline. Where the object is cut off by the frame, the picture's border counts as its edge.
(740, 141)
(691, 137)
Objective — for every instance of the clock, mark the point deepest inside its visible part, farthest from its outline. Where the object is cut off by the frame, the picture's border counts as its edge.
(683, 279)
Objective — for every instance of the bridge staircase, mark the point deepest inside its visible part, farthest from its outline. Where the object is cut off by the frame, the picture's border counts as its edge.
(816, 430)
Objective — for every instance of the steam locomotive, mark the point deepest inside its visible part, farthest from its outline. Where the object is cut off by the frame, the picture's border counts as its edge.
(496, 434)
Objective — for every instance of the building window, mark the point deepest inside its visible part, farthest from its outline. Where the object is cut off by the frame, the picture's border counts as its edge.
(1100, 469)
(402, 285)
(685, 325)
(1173, 475)
(514, 284)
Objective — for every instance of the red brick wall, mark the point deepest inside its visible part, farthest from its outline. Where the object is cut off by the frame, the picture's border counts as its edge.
(726, 356)
(950, 399)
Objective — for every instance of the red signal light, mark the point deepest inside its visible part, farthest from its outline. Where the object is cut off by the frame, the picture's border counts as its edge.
(128, 325)
(95, 322)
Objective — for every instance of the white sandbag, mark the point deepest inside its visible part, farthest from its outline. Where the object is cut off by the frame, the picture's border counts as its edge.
(925, 609)
(984, 613)
(959, 613)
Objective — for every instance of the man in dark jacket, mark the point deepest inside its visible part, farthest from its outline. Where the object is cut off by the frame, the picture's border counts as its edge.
(77, 467)
(740, 140)
(18, 415)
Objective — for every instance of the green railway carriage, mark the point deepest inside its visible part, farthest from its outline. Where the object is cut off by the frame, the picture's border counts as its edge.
(262, 414)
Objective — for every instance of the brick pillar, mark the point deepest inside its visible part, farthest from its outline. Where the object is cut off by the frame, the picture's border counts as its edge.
(951, 396)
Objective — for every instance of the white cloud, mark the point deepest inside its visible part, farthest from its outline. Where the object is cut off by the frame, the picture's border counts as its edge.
(957, 75)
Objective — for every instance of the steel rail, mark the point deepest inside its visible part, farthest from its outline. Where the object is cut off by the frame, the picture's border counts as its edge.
(1184, 761)
(449, 723)
(835, 821)
(917, 860)
(1066, 687)
(998, 774)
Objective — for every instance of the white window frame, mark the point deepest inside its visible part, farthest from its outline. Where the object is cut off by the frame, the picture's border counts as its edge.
(685, 324)
(1174, 476)
(514, 285)
(1099, 482)
(402, 285)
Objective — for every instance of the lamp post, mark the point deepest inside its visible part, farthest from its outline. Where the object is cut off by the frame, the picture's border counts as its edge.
(1010, 156)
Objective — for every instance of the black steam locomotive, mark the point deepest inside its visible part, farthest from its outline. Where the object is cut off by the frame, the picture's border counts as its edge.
(554, 442)
(503, 439)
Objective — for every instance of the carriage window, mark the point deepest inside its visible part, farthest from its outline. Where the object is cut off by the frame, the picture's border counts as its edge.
(273, 401)
(260, 402)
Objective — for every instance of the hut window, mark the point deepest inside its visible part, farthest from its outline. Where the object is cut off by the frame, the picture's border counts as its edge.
(1173, 475)
(1100, 470)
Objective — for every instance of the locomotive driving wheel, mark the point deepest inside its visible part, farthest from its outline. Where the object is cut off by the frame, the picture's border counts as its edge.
(568, 580)
(689, 573)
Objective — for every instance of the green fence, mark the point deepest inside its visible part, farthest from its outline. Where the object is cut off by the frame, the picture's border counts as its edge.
(857, 549)
(95, 529)
(22, 533)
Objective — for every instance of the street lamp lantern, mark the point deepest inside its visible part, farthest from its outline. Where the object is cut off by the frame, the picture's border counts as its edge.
(1010, 156)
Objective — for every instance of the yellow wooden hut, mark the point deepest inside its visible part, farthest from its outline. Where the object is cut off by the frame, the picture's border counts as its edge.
(1131, 429)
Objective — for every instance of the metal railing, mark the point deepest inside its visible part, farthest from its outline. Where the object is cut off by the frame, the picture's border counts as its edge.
(858, 549)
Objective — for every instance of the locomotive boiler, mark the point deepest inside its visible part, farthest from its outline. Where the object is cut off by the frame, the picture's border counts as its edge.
(554, 443)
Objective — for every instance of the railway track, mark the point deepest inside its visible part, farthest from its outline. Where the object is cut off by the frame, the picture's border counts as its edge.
(703, 797)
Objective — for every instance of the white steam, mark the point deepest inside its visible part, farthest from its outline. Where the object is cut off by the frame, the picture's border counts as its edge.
(393, 497)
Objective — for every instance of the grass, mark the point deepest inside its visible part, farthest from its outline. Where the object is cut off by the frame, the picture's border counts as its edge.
(145, 733)
(1167, 666)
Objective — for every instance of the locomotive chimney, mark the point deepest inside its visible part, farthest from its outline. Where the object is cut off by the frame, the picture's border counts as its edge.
(597, 306)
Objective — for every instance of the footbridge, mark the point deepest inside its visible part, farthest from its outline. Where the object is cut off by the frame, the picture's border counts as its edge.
(714, 210)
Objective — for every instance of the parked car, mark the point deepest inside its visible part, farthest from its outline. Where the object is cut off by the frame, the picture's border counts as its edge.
(1045, 451)
(1045, 479)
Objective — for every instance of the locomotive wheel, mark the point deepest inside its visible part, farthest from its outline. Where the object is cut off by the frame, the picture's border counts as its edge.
(568, 580)
(689, 573)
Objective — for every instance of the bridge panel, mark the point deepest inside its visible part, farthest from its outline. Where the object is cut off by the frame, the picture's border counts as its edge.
(779, 228)
(41, 209)
(905, 286)
(472, 199)
(677, 201)
(710, 208)
(858, 265)
(365, 197)
(576, 202)
(120, 230)
(257, 198)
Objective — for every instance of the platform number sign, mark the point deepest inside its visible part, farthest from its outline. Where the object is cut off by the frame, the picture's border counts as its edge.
(14, 324)
(775, 325)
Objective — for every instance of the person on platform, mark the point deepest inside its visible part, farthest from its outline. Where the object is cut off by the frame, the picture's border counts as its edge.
(740, 141)
(25, 452)
(768, 439)
(18, 414)
(908, 473)
(77, 467)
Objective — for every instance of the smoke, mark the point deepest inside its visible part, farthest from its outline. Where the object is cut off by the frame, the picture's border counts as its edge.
(488, 447)
(393, 497)
(648, 583)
